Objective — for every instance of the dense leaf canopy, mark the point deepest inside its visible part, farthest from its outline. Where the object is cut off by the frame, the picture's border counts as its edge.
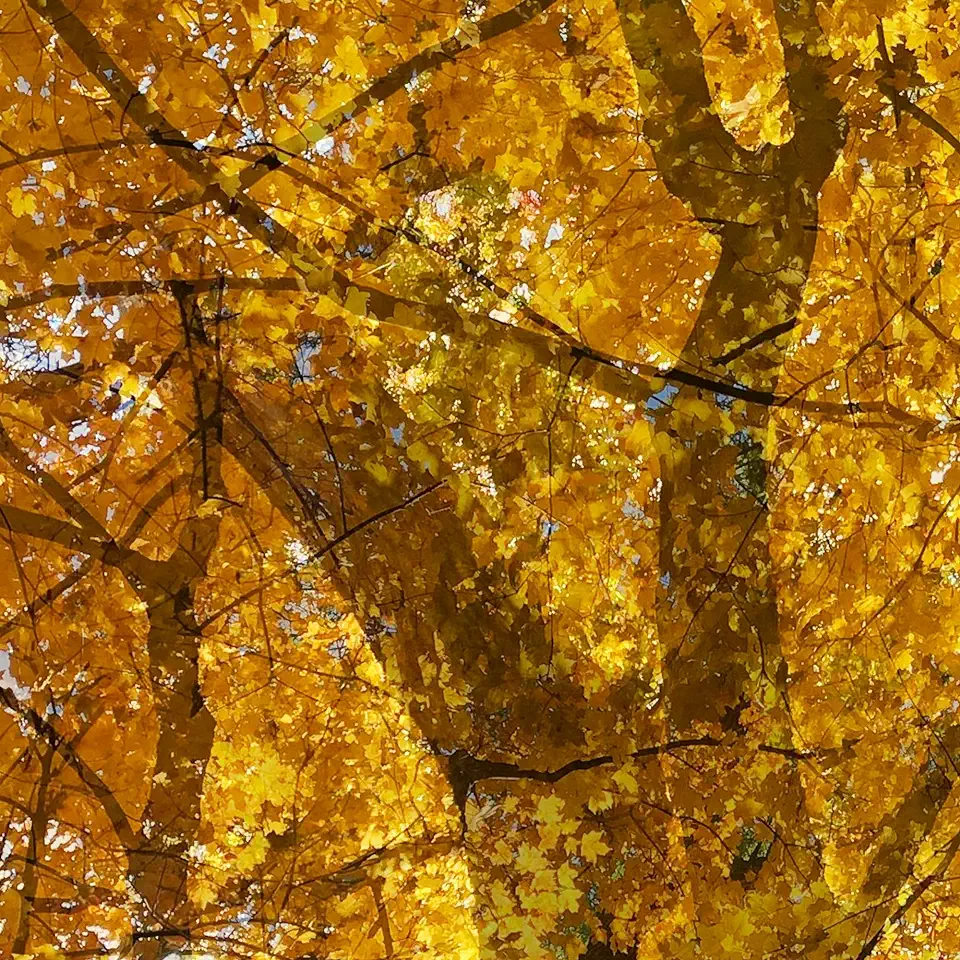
(477, 481)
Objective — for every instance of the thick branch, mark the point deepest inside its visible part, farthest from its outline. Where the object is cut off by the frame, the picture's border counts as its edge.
(918, 113)
(628, 379)
(48, 596)
(68, 535)
(897, 916)
(466, 769)
(91, 780)
(689, 142)
(52, 487)
(102, 289)
(377, 92)
(438, 55)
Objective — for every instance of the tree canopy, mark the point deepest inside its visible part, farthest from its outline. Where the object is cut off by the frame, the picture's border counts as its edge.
(477, 480)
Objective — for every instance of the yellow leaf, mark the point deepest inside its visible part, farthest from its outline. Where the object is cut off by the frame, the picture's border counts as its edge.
(530, 859)
(348, 54)
(550, 809)
(22, 202)
(422, 454)
(356, 302)
(209, 508)
(592, 846)
(379, 472)
(625, 780)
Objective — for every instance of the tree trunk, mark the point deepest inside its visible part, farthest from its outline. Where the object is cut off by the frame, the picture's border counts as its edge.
(171, 819)
(159, 868)
(723, 669)
(717, 608)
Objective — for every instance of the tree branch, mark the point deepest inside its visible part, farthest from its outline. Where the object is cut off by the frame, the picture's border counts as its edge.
(65, 534)
(97, 289)
(466, 769)
(93, 782)
(901, 102)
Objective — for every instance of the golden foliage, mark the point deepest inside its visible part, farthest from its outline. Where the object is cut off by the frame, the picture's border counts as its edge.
(478, 481)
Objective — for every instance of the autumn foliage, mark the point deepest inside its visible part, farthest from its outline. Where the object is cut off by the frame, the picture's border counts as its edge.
(478, 481)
